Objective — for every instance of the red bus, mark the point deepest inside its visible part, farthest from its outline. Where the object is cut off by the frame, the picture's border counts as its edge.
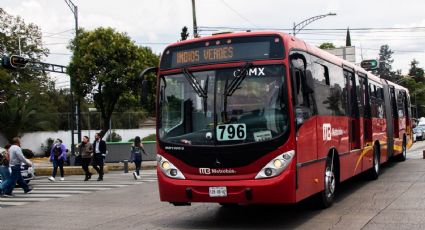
(262, 117)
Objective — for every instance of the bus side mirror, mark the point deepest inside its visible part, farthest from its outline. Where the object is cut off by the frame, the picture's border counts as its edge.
(144, 89)
(309, 82)
(144, 93)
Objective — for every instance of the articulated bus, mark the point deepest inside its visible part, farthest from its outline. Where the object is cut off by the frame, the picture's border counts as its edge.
(264, 118)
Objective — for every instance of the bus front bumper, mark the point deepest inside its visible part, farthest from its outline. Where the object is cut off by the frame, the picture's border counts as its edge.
(277, 190)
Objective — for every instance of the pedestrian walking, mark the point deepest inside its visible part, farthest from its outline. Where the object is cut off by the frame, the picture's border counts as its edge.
(136, 156)
(58, 157)
(85, 148)
(99, 147)
(4, 168)
(16, 158)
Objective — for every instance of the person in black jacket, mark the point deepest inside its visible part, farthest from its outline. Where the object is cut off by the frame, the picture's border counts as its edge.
(99, 147)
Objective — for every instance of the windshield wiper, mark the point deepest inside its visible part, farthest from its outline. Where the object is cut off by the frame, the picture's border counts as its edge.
(233, 86)
(236, 82)
(206, 93)
(194, 83)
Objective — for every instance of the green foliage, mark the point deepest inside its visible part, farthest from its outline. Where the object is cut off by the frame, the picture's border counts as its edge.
(106, 64)
(28, 153)
(417, 93)
(327, 45)
(416, 72)
(25, 105)
(46, 147)
(348, 38)
(151, 137)
(113, 137)
(385, 62)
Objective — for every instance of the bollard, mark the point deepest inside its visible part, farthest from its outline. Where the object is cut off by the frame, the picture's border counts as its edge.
(125, 166)
(423, 154)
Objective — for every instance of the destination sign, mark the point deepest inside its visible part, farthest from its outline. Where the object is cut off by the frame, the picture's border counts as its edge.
(237, 49)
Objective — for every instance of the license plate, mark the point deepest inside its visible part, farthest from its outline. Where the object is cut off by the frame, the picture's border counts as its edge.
(218, 191)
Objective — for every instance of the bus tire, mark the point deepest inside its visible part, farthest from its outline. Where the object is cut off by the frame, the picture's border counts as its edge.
(329, 180)
(373, 173)
(403, 155)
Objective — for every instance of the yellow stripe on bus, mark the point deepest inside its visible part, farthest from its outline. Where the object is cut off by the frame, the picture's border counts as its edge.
(364, 152)
(398, 147)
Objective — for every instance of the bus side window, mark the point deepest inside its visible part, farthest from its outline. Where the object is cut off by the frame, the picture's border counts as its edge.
(302, 89)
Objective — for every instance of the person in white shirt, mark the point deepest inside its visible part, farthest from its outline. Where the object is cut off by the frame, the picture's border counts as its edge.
(16, 159)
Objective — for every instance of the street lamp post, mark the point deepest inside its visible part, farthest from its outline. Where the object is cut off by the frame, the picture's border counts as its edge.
(77, 113)
(298, 27)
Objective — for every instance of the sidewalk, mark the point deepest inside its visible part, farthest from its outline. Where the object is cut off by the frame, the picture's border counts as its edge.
(43, 167)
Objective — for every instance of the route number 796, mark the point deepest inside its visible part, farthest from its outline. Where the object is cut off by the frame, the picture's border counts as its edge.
(231, 132)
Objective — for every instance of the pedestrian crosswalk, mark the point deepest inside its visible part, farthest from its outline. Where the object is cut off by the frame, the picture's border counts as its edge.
(44, 190)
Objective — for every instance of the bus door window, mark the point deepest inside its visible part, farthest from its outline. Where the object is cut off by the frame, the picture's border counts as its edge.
(394, 111)
(367, 123)
(353, 109)
(302, 89)
(406, 108)
(401, 110)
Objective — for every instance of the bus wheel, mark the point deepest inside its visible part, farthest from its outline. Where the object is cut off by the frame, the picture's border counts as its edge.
(327, 195)
(403, 155)
(373, 173)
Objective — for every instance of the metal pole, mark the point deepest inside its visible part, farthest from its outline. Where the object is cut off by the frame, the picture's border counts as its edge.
(304, 23)
(195, 27)
(89, 123)
(76, 123)
(416, 102)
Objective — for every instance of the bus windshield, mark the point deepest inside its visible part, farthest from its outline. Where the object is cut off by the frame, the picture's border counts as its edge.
(256, 110)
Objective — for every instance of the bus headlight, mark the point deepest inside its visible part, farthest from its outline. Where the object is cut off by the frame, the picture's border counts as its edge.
(276, 166)
(168, 168)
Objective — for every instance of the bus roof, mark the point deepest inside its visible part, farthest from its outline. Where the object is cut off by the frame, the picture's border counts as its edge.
(292, 42)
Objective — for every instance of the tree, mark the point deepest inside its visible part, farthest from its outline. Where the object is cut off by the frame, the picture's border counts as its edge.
(25, 105)
(184, 34)
(348, 38)
(106, 66)
(327, 45)
(385, 62)
(416, 72)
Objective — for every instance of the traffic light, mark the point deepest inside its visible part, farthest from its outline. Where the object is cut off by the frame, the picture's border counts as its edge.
(14, 62)
(369, 64)
(18, 61)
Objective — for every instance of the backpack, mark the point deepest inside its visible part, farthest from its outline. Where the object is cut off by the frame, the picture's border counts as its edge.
(57, 151)
(137, 152)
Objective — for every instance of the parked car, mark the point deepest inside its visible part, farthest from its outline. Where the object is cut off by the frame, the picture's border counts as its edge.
(27, 172)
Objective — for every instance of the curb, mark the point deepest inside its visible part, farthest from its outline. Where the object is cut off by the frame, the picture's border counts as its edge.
(68, 170)
(77, 170)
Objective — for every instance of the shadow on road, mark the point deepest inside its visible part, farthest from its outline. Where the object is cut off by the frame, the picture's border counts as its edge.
(213, 216)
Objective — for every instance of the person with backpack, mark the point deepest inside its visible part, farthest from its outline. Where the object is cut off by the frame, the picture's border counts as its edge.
(136, 156)
(4, 169)
(58, 157)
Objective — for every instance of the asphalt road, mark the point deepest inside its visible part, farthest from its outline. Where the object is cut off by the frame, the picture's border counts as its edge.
(395, 201)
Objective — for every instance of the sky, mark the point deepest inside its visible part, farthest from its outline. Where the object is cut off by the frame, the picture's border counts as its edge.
(156, 23)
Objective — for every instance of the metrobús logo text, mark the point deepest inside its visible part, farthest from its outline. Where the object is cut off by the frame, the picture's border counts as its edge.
(208, 171)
